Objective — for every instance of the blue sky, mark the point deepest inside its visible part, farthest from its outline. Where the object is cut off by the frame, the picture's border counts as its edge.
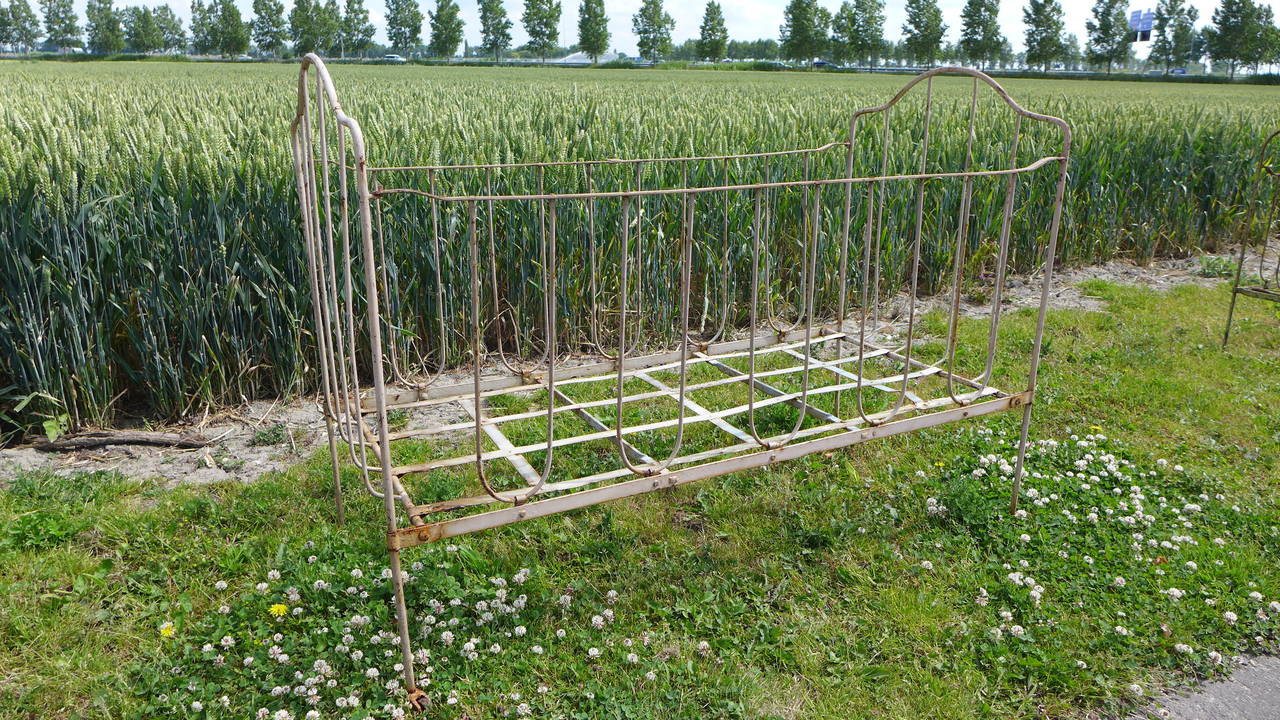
(747, 19)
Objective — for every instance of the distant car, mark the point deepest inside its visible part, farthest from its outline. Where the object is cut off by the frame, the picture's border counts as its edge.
(394, 58)
(824, 64)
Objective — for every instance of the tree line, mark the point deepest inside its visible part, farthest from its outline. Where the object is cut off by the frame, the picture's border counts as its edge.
(1243, 33)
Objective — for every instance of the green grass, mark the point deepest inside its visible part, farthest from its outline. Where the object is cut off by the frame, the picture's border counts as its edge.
(807, 581)
(155, 264)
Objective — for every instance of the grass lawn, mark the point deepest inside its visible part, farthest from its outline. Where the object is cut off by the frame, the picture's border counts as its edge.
(885, 581)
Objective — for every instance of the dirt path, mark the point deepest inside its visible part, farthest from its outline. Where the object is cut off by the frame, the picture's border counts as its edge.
(264, 436)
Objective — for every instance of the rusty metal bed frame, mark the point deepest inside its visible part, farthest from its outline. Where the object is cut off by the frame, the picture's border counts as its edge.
(742, 231)
(1266, 285)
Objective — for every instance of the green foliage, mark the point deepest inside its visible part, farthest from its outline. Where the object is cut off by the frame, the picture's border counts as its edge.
(804, 31)
(495, 28)
(170, 27)
(23, 26)
(60, 26)
(446, 29)
(923, 30)
(1044, 40)
(268, 25)
(142, 34)
(105, 33)
(272, 435)
(541, 21)
(158, 266)
(593, 28)
(980, 38)
(713, 36)
(1109, 36)
(404, 24)
(652, 26)
(356, 35)
(1243, 33)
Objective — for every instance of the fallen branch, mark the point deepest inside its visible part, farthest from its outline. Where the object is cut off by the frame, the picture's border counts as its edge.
(123, 437)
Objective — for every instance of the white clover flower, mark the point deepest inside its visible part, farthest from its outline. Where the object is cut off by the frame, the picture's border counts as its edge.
(1082, 665)
(273, 574)
(560, 633)
(220, 585)
(495, 648)
(996, 633)
(261, 587)
(1024, 537)
(536, 649)
(1255, 596)
(248, 660)
(1122, 630)
(565, 600)
(1118, 582)
(197, 706)
(371, 673)
(926, 565)
(633, 658)
(704, 647)
(593, 653)
(597, 622)
(1182, 648)
(1215, 657)
(1005, 615)
(1192, 566)
(357, 573)
(312, 715)
(611, 597)
(1017, 630)
(523, 709)
(1230, 617)
(1135, 689)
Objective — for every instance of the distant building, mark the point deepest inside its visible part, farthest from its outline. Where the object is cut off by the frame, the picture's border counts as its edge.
(581, 58)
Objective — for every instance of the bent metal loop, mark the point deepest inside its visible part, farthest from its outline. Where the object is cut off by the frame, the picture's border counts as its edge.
(560, 334)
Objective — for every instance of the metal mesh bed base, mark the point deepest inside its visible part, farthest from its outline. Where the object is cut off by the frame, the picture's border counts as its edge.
(505, 341)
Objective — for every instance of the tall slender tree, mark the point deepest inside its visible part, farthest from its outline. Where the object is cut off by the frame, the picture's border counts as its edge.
(542, 23)
(1238, 35)
(593, 29)
(268, 27)
(804, 30)
(868, 36)
(357, 32)
(1108, 31)
(653, 26)
(1185, 38)
(232, 30)
(446, 29)
(843, 31)
(980, 38)
(141, 33)
(924, 30)
(60, 27)
(175, 38)
(495, 28)
(103, 27)
(1043, 19)
(713, 35)
(404, 24)
(204, 32)
(24, 27)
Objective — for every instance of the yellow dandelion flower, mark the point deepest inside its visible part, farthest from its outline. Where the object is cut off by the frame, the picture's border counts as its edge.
(1095, 427)
(167, 630)
(278, 610)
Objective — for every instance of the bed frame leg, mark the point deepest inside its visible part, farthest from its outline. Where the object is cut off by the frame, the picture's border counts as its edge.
(337, 473)
(417, 698)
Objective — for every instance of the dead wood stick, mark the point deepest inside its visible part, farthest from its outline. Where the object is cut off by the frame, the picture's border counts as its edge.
(124, 437)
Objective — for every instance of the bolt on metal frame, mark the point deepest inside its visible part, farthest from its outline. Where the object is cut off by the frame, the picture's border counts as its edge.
(1266, 285)
(371, 363)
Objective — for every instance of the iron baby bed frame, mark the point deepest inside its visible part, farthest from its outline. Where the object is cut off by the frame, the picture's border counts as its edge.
(681, 343)
(1266, 285)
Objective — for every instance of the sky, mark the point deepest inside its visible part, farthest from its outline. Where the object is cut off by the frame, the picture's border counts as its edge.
(746, 19)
